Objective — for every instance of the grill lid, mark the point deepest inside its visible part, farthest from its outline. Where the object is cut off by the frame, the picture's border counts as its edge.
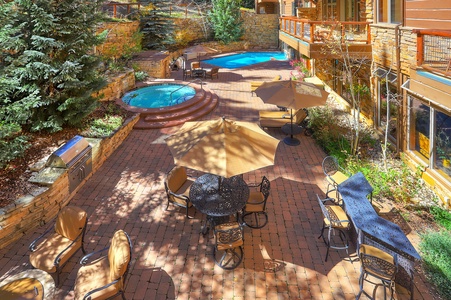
(69, 153)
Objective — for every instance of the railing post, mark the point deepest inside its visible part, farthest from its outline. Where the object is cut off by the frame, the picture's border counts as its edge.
(420, 49)
(368, 34)
(312, 32)
(114, 10)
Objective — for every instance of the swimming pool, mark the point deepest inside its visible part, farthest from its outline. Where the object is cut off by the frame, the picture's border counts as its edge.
(159, 95)
(244, 59)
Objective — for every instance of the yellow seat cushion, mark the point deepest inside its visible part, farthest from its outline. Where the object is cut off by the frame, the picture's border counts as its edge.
(255, 202)
(373, 265)
(25, 288)
(105, 270)
(46, 252)
(70, 222)
(336, 214)
(92, 276)
(228, 236)
(337, 178)
(280, 118)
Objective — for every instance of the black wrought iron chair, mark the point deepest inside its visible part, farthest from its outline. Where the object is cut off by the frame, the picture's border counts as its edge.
(59, 246)
(380, 265)
(334, 175)
(254, 213)
(104, 278)
(228, 251)
(335, 219)
(177, 186)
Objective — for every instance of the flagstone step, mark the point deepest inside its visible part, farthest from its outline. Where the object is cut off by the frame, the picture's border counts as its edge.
(200, 105)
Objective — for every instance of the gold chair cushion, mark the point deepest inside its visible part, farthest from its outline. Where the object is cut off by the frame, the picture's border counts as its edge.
(118, 255)
(336, 214)
(93, 276)
(25, 288)
(176, 178)
(44, 256)
(228, 236)
(337, 178)
(373, 251)
(70, 222)
(255, 202)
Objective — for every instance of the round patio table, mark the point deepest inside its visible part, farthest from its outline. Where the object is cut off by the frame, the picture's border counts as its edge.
(218, 197)
(29, 284)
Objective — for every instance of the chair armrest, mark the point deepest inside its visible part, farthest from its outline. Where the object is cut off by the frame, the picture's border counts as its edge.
(179, 196)
(84, 260)
(87, 296)
(33, 244)
(58, 257)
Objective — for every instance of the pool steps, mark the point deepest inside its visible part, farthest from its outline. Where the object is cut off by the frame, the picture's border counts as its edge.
(200, 105)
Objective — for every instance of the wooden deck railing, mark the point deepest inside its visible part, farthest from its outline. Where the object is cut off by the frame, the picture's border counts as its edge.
(121, 10)
(434, 50)
(321, 31)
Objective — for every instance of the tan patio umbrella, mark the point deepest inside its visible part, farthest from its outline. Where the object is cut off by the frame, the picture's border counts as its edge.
(222, 147)
(294, 95)
(200, 50)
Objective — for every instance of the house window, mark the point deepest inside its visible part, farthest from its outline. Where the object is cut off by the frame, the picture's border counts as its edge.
(387, 102)
(420, 120)
(442, 161)
(430, 135)
(389, 11)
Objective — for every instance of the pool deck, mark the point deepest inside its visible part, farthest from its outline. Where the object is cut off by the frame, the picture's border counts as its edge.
(172, 259)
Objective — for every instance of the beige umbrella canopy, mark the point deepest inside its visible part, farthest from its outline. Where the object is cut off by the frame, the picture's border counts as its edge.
(222, 147)
(294, 95)
(200, 50)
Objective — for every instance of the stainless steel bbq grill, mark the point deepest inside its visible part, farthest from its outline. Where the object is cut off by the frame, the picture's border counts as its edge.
(75, 155)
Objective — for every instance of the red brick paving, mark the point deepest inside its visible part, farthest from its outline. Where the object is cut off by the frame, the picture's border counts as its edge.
(171, 259)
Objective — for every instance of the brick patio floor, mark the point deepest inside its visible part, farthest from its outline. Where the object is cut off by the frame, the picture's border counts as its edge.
(171, 258)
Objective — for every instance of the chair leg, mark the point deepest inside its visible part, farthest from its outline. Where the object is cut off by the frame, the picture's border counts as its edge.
(254, 219)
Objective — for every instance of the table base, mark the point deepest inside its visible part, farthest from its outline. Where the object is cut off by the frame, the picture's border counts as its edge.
(291, 141)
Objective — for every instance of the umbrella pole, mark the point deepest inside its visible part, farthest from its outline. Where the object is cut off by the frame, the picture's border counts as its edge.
(291, 140)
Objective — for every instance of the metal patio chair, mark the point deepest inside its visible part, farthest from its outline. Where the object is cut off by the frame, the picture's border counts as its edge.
(254, 213)
(334, 175)
(380, 265)
(335, 219)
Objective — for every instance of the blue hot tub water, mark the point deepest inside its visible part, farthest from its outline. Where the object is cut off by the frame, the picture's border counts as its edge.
(159, 95)
(245, 59)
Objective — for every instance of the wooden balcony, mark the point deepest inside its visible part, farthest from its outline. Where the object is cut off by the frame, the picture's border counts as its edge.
(311, 37)
(433, 51)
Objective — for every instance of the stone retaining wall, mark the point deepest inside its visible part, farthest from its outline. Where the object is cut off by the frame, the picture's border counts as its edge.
(29, 212)
(121, 39)
(117, 86)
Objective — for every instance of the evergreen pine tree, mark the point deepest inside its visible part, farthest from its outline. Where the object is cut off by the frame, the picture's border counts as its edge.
(226, 21)
(47, 68)
(156, 25)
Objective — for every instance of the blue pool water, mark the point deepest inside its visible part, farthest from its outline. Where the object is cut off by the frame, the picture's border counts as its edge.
(159, 95)
(244, 59)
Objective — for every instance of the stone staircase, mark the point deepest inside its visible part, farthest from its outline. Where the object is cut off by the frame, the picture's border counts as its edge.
(200, 105)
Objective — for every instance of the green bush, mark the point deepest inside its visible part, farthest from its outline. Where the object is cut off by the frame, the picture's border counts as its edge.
(103, 127)
(12, 149)
(441, 216)
(327, 133)
(141, 75)
(436, 254)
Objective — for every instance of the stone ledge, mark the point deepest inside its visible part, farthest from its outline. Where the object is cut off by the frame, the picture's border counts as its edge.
(40, 207)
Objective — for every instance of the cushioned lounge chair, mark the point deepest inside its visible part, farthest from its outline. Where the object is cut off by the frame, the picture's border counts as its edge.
(177, 186)
(280, 118)
(256, 84)
(104, 277)
(60, 242)
(211, 73)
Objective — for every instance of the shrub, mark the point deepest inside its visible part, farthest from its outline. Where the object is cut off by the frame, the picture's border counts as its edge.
(103, 127)
(436, 253)
(441, 216)
(141, 75)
